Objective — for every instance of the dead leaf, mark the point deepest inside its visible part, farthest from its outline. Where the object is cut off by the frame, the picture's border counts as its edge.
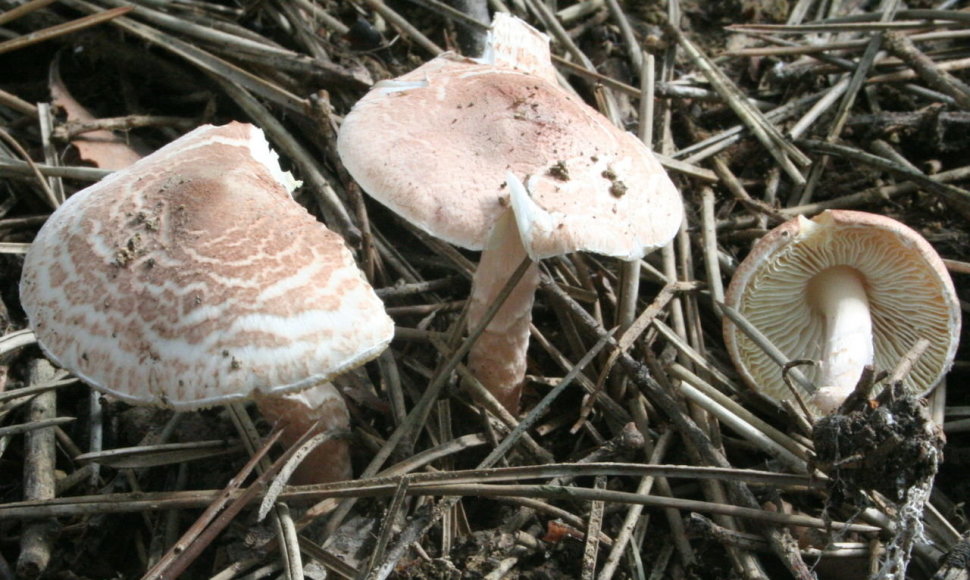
(104, 149)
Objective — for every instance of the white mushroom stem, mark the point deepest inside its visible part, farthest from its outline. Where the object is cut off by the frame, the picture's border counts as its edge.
(498, 358)
(297, 412)
(839, 295)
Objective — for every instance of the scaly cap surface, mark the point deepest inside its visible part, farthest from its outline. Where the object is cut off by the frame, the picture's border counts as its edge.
(193, 278)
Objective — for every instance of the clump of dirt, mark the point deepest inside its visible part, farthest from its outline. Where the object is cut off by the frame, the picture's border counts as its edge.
(887, 447)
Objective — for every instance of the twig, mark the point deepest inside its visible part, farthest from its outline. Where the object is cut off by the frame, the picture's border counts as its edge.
(875, 195)
(22, 10)
(24, 392)
(487, 399)
(62, 29)
(688, 429)
(37, 538)
(543, 405)
(946, 66)
(623, 538)
(45, 119)
(749, 419)
(740, 426)
(633, 50)
(591, 548)
(72, 129)
(878, 20)
(204, 60)
(49, 197)
(401, 23)
(906, 362)
(958, 197)
(385, 486)
(35, 424)
(701, 150)
(418, 415)
(764, 344)
(848, 99)
(218, 514)
(770, 137)
(15, 167)
(792, 48)
(938, 79)
(387, 528)
(709, 240)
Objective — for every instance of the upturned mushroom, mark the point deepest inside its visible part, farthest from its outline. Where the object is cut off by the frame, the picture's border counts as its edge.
(847, 289)
(192, 278)
(491, 154)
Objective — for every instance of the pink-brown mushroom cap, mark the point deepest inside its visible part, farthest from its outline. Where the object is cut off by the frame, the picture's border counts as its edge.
(909, 291)
(193, 278)
(436, 145)
(492, 154)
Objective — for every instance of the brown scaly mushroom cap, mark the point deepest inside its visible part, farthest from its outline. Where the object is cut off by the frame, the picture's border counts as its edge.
(193, 278)
(437, 144)
(804, 272)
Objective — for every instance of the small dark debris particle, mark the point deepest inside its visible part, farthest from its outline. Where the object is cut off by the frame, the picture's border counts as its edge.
(150, 222)
(618, 189)
(559, 171)
(123, 257)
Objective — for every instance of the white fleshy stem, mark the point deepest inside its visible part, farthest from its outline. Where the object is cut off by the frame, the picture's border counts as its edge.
(839, 295)
(498, 358)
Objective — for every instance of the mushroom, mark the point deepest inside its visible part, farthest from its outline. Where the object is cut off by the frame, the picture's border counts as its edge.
(848, 289)
(298, 412)
(192, 278)
(492, 155)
